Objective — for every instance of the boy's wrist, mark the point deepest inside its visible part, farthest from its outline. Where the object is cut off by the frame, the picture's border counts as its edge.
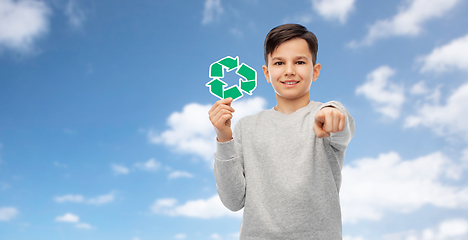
(223, 136)
(222, 140)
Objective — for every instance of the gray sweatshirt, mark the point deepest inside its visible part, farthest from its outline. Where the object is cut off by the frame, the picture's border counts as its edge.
(286, 179)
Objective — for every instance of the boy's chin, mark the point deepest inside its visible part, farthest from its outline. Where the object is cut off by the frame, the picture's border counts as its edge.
(291, 96)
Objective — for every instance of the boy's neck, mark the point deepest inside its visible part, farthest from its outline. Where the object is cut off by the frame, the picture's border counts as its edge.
(288, 106)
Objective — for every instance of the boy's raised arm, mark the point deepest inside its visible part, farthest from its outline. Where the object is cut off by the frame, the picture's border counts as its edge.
(228, 164)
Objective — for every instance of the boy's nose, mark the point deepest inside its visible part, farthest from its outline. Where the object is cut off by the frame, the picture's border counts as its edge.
(290, 70)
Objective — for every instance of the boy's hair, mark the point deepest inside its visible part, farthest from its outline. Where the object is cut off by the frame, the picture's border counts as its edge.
(285, 32)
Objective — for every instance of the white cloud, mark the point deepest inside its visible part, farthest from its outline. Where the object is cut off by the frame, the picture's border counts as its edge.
(60, 165)
(465, 155)
(212, 11)
(102, 199)
(192, 132)
(445, 120)
(409, 20)
(22, 23)
(69, 131)
(107, 198)
(352, 238)
(151, 165)
(386, 97)
(233, 236)
(83, 226)
(372, 187)
(68, 217)
(162, 204)
(119, 169)
(215, 236)
(75, 14)
(236, 32)
(297, 18)
(452, 229)
(180, 236)
(334, 9)
(69, 198)
(448, 57)
(205, 209)
(4, 186)
(419, 88)
(244, 108)
(7, 213)
(180, 174)
(72, 218)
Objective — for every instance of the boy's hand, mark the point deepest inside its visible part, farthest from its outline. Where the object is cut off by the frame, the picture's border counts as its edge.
(220, 117)
(328, 120)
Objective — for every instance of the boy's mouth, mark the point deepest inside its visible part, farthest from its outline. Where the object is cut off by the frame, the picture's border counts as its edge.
(289, 83)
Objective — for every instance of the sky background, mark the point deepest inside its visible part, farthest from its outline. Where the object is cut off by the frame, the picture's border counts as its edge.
(104, 130)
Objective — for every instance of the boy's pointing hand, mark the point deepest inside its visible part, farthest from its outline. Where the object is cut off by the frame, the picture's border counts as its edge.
(328, 120)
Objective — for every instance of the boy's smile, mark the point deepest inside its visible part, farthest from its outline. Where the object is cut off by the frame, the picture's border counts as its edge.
(290, 83)
(291, 71)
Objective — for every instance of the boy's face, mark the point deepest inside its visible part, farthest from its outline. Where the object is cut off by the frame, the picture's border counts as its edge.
(290, 69)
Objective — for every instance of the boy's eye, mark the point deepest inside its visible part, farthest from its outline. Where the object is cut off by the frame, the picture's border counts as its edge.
(278, 63)
(300, 62)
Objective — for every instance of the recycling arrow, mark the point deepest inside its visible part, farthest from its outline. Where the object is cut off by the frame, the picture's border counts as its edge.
(250, 75)
(233, 92)
(228, 63)
(247, 72)
(216, 70)
(216, 87)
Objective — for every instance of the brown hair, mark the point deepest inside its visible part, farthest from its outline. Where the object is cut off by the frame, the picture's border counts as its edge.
(285, 32)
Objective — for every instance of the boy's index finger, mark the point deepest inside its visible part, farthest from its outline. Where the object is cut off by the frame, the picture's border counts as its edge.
(225, 101)
(228, 100)
(320, 117)
(226, 106)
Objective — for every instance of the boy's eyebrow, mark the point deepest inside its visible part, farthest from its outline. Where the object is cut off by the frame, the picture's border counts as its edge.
(301, 57)
(276, 58)
(297, 57)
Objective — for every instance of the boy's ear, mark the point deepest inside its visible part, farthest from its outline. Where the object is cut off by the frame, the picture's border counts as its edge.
(317, 68)
(266, 72)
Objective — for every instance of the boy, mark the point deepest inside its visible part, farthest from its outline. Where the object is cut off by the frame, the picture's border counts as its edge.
(283, 165)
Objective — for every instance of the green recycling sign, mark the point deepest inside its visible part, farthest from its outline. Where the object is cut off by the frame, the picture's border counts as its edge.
(247, 83)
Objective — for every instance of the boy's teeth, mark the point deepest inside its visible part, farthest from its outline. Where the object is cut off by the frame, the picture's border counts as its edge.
(290, 83)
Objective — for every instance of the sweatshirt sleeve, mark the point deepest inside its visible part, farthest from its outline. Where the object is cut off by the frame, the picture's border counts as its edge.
(229, 171)
(340, 140)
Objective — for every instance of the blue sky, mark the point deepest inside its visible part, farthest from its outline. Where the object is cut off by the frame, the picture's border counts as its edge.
(104, 131)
